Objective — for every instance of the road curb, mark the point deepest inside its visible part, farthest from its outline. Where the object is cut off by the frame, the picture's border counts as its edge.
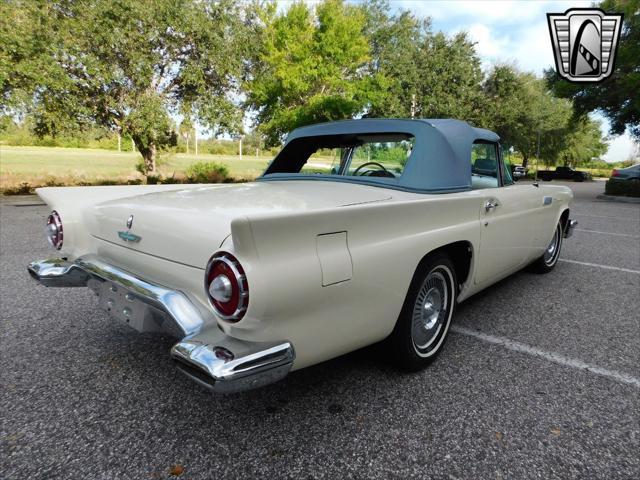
(618, 199)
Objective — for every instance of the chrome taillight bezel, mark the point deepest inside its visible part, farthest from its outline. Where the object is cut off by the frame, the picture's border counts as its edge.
(239, 281)
(54, 224)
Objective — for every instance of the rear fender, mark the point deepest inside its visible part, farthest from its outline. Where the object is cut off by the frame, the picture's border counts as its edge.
(289, 294)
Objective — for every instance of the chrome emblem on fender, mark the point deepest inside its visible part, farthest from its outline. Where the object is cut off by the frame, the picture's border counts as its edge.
(584, 43)
(128, 236)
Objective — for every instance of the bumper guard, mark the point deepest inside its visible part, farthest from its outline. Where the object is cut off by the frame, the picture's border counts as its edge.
(568, 229)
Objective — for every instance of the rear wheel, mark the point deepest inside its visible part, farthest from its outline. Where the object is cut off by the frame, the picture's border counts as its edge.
(423, 324)
(548, 260)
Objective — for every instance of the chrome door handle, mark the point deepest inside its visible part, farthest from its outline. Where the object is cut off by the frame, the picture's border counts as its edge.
(490, 205)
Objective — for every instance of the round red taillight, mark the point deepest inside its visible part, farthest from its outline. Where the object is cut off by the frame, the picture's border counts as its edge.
(227, 287)
(54, 230)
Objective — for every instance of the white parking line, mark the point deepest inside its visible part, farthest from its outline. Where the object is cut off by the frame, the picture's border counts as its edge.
(550, 356)
(597, 265)
(608, 233)
(600, 216)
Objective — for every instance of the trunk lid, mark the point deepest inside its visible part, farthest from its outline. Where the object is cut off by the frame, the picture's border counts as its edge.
(188, 225)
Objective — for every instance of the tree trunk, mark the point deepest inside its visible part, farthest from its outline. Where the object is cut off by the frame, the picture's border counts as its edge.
(148, 153)
(525, 161)
(150, 158)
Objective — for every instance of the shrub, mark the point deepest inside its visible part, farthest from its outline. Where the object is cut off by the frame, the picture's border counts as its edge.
(627, 188)
(23, 189)
(171, 180)
(207, 172)
(153, 179)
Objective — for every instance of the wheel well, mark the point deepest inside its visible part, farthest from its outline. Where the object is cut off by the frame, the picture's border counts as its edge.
(460, 253)
(564, 218)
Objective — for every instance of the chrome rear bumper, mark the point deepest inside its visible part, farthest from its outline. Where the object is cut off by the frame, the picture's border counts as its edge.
(225, 364)
(143, 305)
(58, 272)
(207, 355)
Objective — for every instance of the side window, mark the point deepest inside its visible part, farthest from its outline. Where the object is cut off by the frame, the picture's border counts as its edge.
(507, 169)
(484, 165)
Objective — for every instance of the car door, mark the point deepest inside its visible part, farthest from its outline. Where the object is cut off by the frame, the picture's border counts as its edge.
(507, 215)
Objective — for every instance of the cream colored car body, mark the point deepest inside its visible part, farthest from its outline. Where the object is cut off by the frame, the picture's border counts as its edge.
(328, 264)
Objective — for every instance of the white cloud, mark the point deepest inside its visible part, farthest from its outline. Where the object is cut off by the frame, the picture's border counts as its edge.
(490, 12)
(620, 148)
(487, 45)
(482, 11)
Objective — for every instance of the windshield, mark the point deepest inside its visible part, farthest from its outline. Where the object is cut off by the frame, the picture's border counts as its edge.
(367, 155)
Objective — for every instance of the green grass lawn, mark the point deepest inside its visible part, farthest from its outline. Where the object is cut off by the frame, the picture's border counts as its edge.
(36, 165)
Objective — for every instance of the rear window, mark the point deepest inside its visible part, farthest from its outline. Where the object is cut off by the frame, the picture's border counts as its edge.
(367, 155)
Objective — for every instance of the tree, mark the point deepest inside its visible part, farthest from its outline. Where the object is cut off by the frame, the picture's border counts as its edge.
(583, 142)
(186, 127)
(450, 79)
(616, 97)
(395, 42)
(521, 110)
(311, 67)
(127, 65)
(422, 74)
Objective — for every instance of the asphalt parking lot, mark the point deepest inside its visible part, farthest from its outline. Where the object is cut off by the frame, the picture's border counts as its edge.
(540, 379)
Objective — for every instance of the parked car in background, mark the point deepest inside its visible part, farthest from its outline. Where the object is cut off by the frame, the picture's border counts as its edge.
(629, 173)
(563, 173)
(518, 172)
(322, 255)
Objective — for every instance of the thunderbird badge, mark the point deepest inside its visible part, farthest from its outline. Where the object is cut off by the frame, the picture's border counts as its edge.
(127, 236)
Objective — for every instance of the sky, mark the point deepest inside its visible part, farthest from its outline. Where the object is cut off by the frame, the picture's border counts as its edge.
(509, 31)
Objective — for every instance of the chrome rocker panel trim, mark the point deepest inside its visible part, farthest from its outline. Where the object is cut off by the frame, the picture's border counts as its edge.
(208, 356)
(568, 230)
(225, 364)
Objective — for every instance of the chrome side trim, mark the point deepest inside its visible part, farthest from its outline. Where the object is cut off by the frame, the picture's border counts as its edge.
(176, 305)
(571, 225)
(225, 364)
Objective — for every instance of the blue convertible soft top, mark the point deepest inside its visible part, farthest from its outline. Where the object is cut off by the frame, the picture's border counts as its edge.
(440, 160)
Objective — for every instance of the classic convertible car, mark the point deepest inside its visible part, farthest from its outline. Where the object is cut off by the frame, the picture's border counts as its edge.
(358, 231)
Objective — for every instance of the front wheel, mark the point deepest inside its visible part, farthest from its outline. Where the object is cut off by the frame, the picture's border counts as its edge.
(548, 260)
(423, 324)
